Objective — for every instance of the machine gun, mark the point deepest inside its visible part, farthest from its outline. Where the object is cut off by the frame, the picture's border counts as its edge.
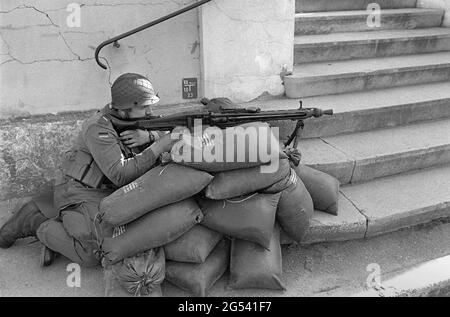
(221, 117)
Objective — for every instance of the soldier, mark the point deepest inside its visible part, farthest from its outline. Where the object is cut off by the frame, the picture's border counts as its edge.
(100, 162)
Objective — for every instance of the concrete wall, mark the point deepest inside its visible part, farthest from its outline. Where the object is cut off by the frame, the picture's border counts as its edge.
(440, 4)
(31, 152)
(47, 66)
(247, 45)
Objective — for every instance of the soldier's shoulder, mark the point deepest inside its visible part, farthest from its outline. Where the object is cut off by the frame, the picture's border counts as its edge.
(99, 119)
(99, 126)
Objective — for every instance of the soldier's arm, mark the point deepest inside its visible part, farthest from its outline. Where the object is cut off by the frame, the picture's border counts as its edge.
(103, 143)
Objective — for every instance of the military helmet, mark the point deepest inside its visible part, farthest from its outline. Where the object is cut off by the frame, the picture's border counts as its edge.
(132, 90)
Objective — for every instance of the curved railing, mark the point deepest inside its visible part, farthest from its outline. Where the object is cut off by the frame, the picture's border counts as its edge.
(143, 27)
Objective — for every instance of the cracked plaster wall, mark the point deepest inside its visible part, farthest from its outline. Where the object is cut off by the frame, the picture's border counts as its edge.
(438, 4)
(46, 66)
(246, 46)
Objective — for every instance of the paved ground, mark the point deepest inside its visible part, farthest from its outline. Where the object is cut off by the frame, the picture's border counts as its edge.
(328, 269)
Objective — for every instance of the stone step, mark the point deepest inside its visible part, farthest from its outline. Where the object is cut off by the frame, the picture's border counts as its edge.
(384, 205)
(349, 224)
(366, 110)
(369, 44)
(405, 200)
(318, 79)
(355, 21)
(341, 5)
(364, 156)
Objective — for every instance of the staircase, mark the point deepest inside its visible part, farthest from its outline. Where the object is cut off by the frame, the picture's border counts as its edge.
(389, 142)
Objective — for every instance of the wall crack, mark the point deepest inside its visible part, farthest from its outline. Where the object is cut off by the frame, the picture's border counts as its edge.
(361, 211)
(52, 23)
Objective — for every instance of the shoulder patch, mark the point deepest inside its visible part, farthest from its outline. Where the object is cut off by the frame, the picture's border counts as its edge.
(99, 127)
(103, 120)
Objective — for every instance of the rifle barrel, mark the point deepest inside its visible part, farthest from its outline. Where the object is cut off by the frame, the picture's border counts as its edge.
(297, 114)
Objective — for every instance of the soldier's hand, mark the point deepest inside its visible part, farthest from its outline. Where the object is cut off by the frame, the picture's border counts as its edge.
(179, 130)
(135, 138)
(168, 141)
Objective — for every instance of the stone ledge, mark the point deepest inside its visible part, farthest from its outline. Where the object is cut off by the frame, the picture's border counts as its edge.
(356, 20)
(369, 44)
(401, 201)
(385, 205)
(32, 153)
(317, 79)
(364, 156)
(350, 224)
(340, 5)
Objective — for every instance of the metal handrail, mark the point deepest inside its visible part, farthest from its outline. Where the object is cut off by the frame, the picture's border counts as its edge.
(143, 27)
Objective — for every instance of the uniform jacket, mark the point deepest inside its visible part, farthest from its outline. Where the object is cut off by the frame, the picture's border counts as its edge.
(116, 162)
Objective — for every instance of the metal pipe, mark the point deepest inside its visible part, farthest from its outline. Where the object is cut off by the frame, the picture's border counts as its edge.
(143, 27)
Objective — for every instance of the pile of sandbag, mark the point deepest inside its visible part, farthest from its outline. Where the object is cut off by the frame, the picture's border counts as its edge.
(205, 217)
(152, 211)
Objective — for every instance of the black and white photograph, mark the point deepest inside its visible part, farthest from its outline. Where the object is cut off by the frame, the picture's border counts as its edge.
(225, 155)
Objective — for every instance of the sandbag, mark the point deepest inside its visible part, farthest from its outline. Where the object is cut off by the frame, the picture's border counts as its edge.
(161, 186)
(198, 278)
(291, 178)
(295, 210)
(114, 289)
(216, 150)
(324, 188)
(194, 246)
(249, 218)
(153, 230)
(252, 266)
(141, 275)
(220, 104)
(244, 181)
